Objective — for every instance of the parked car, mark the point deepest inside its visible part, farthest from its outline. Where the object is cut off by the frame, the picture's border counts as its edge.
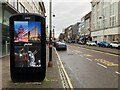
(115, 44)
(103, 44)
(61, 46)
(69, 41)
(91, 43)
(72, 41)
(81, 42)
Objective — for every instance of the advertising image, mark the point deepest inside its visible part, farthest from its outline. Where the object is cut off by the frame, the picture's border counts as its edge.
(27, 39)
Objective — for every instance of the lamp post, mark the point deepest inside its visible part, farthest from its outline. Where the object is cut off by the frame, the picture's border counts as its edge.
(50, 64)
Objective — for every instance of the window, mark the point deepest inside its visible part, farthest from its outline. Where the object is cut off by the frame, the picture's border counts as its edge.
(98, 24)
(105, 3)
(28, 1)
(105, 23)
(112, 21)
(15, 4)
(105, 17)
(26, 11)
(113, 13)
(31, 3)
(21, 8)
(98, 5)
(11, 2)
(105, 11)
(99, 14)
(113, 8)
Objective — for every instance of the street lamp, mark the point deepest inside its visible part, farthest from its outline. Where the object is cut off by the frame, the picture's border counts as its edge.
(103, 18)
(50, 64)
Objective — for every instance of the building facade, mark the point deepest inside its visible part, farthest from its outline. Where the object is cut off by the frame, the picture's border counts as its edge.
(75, 31)
(85, 26)
(10, 7)
(105, 20)
(69, 32)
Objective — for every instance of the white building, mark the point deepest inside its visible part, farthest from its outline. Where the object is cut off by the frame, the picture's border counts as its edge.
(105, 20)
(85, 28)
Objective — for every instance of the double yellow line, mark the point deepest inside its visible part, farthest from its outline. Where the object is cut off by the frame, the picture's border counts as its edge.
(68, 79)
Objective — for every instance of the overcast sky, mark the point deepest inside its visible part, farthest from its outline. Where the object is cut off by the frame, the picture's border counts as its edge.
(67, 12)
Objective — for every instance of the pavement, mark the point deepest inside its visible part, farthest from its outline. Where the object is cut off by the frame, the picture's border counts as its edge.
(52, 80)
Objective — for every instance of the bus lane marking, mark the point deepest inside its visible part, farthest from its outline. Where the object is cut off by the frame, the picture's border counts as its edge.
(117, 72)
(106, 63)
(89, 59)
(102, 65)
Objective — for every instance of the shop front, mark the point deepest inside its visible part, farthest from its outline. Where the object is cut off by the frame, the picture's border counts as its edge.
(7, 11)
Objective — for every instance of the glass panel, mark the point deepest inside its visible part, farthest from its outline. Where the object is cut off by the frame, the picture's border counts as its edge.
(27, 39)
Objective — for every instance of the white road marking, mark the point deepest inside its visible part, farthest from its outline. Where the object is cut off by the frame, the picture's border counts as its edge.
(100, 52)
(76, 51)
(105, 53)
(81, 55)
(89, 59)
(101, 65)
(117, 72)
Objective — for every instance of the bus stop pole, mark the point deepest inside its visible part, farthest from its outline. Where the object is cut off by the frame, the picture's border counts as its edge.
(50, 64)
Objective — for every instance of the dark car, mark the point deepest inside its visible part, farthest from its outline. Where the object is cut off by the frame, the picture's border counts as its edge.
(69, 41)
(103, 44)
(61, 46)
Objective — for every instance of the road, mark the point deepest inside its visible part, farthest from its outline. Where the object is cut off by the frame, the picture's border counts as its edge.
(88, 68)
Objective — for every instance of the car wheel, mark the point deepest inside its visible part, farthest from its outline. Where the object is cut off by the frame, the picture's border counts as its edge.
(110, 46)
(65, 49)
(118, 47)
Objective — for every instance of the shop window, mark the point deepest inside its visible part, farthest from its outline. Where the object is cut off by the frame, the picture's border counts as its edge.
(26, 11)
(21, 8)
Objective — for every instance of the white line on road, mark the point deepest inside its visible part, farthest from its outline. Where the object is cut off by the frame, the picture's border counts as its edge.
(101, 65)
(105, 53)
(117, 72)
(100, 52)
(89, 59)
(81, 55)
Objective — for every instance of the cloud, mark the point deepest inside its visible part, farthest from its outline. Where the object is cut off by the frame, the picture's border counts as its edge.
(68, 12)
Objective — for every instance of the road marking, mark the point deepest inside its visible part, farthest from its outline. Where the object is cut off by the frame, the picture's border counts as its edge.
(68, 79)
(89, 59)
(117, 72)
(76, 51)
(87, 55)
(101, 52)
(107, 63)
(81, 55)
(105, 53)
(101, 65)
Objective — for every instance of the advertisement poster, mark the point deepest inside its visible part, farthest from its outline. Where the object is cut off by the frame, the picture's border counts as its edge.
(27, 39)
